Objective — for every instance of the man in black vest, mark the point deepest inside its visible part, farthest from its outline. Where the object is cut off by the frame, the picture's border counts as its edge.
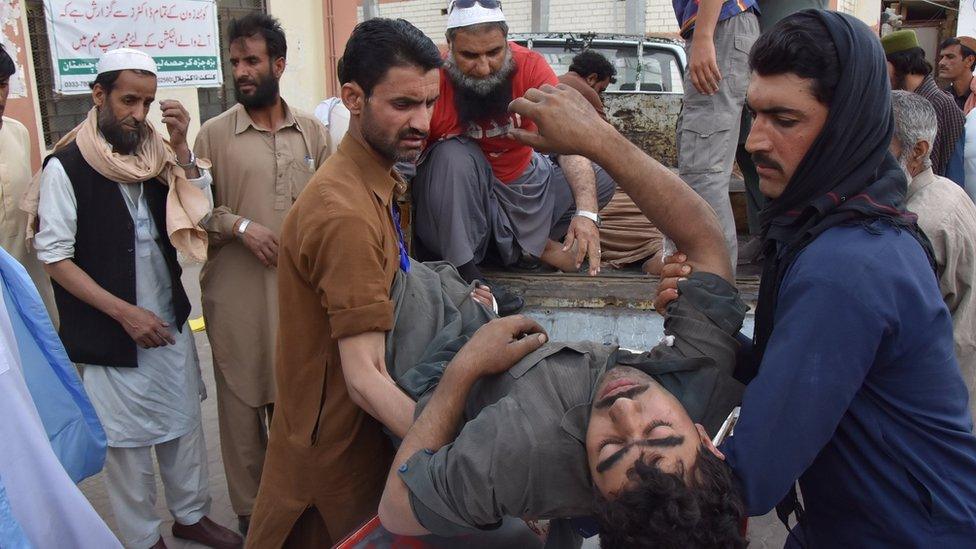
(110, 194)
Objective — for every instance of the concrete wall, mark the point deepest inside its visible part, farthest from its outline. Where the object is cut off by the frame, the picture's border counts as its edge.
(304, 82)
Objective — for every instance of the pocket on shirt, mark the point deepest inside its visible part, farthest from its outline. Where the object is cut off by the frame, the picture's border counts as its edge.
(299, 175)
(922, 492)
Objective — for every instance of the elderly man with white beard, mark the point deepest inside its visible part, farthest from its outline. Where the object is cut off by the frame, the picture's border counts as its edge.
(481, 195)
(947, 217)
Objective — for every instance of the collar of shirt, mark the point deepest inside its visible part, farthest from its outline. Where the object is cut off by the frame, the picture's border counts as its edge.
(919, 182)
(244, 120)
(576, 420)
(381, 181)
(928, 86)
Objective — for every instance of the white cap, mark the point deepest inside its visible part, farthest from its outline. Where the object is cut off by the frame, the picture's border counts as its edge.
(125, 59)
(475, 15)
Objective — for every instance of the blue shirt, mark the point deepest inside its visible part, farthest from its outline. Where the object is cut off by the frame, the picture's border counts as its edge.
(687, 12)
(72, 426)
(859, 396)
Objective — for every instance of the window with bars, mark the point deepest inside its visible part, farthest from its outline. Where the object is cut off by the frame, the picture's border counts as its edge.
(60, 113)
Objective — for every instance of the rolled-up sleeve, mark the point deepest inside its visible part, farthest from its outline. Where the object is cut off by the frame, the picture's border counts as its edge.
(346, 255)
(476, 480)
(57, 211)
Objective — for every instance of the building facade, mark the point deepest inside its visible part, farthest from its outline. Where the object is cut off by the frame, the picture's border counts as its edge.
(608, 16)
(317, 31)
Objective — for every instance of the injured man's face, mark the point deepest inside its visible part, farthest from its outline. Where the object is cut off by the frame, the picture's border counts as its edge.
(633, 417)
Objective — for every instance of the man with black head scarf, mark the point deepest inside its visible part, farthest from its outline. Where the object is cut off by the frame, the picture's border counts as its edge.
(854, 389)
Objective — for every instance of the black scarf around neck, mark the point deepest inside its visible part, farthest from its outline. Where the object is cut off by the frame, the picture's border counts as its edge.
(848, 176)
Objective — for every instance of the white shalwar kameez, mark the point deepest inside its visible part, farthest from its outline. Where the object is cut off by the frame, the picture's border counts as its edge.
(156, 404)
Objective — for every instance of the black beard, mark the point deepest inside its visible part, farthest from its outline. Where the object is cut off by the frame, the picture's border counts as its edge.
(387, 148)
(123, 141)
(475, 107)
(264, 95)
(476, 104)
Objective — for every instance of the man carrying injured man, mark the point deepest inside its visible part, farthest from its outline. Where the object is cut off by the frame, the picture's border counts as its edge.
(563, 430)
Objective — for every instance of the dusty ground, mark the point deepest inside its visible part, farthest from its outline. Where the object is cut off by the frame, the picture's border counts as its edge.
(765, 532)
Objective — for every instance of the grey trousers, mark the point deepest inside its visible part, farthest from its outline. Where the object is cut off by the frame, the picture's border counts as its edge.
(708, 127)
(131, 485)
(461, 209)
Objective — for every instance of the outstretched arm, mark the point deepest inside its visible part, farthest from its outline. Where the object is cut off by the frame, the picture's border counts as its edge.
(569, 125)
(495, 347)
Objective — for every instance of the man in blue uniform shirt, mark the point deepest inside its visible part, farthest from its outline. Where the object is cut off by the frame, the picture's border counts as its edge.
(855, 391)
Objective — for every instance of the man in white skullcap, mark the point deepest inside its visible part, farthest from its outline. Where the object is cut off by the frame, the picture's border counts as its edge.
(116, 202)
(477, 191)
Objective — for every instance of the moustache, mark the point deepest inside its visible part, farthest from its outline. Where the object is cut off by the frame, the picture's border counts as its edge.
(764, 161)
(413, 134)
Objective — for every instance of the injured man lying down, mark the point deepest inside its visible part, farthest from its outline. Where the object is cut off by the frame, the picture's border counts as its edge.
(509, 424)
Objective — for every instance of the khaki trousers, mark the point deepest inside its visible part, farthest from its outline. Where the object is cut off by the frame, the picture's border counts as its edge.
(243, 442)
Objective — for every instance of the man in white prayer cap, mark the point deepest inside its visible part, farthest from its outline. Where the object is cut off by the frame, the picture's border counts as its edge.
(116, 203)
(482, 196)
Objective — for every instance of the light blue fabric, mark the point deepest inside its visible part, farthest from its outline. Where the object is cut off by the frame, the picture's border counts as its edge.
(956, 169)
(12, 536)
(69, 419)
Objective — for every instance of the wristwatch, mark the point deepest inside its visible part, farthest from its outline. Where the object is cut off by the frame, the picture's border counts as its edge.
(592, 216)
(243, 226)
(190, 164)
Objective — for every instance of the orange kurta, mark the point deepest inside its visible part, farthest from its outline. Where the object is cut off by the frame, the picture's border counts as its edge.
(337, 259)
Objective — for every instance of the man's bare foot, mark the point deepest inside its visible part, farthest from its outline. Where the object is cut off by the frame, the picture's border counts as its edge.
(555, 257)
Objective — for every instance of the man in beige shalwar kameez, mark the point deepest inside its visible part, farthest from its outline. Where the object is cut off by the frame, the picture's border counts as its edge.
(263, 154)
(15, 175)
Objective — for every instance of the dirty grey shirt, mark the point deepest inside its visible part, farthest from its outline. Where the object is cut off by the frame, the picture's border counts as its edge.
(521, 452)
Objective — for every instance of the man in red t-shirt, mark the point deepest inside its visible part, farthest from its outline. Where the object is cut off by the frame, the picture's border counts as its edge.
(480, 194)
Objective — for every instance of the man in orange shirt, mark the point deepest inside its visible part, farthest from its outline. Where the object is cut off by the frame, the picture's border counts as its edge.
(339, 251)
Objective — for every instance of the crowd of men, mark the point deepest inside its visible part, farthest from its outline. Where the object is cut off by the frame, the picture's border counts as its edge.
(353, 379)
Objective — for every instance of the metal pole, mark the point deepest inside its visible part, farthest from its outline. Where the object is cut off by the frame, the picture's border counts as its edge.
(371, 9)
(635, 17)
(540, 15)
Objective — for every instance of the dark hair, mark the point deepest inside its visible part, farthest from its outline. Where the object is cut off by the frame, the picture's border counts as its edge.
(591, 62)
(910, 62)
(379, 44)
(663, 511)
(254, 24)
(966, 52)
(479, 28)
(7, 67)
(107, 79)
(801, 46)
